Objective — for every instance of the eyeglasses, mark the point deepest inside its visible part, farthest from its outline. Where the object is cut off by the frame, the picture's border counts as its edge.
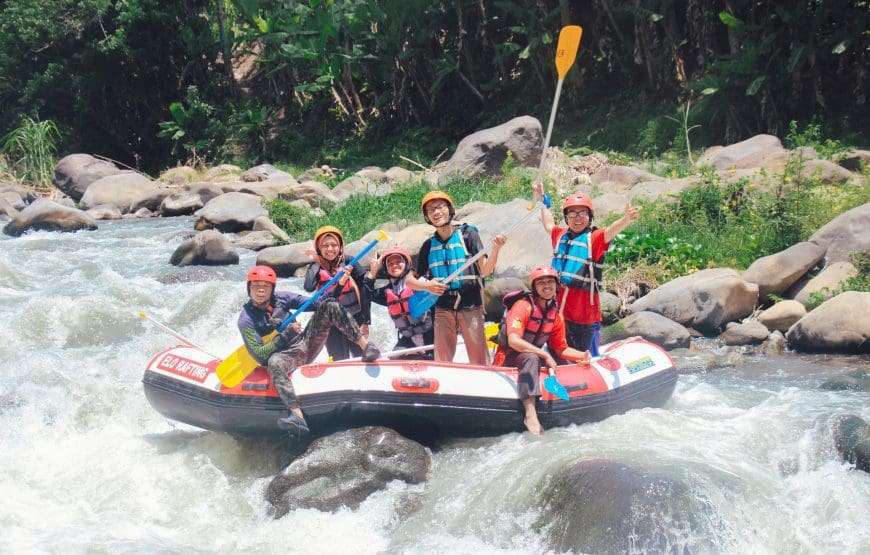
(577, 214)
(431, 208)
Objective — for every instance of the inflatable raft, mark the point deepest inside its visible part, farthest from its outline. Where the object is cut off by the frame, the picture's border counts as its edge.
(421, 399)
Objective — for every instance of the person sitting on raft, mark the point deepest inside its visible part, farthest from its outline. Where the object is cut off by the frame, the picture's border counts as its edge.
(394, 295)
(293, 347)
(531, 323)
(328, 260)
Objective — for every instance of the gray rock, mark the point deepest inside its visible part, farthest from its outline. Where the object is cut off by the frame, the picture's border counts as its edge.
(400, 175)
(823, 284)
(855, 160)
(750, 332)
(847, 233)
(775, 273)
(46, 215)
(760, 151)
(372, 173)
(285, 259)
(357, 185)
(782, 315)
(652, 190)
(179, 175)
(484, 152)
(838, 325)
(343, 469)
(208, 248)
(852, 440)
(652, 327)
(254, 240)
(14, 199)
(263, 172)
(263, 223)
(189, 198)
(610, 306)
(152, 199)
(494, 293)
(827, 172)
(222, 173)
(122, 190)
(859, 380)
(705, 300)
(73, 174)
(230, 212)
(105, 212)
(691, 361)
(621, 178)
(601, 506)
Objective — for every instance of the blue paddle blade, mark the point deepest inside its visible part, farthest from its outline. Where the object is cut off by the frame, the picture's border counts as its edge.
(420, 302)
(552, 385)
(546, 200)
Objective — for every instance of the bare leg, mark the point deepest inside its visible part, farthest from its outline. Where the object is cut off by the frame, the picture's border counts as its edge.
(531, 420)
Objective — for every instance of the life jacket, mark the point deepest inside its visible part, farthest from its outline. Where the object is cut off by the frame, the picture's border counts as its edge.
(445, 257)
(397, 307)
(540, 323)
(573, 261)
(348, 297)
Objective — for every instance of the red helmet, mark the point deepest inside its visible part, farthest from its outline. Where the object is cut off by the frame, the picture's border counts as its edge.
(437, 195)
(262, 273)
(540, 272)
(397, 250)
(578, 201)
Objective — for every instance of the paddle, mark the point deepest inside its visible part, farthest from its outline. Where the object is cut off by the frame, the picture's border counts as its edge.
(173, 333)
(566, 53)
(421, 301)
(236, 367)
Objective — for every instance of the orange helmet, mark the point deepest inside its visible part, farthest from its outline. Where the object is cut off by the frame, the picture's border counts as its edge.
(578, 201)
(436, 195)
(397, 250)
(262, 273)
(541, 272)
(327, 230)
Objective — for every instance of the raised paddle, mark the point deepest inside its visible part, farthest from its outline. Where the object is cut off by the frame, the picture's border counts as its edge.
(235, 368)
(566, 53)
(421, 301)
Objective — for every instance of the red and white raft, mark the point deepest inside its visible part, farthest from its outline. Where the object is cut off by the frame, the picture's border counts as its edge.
(422, 399)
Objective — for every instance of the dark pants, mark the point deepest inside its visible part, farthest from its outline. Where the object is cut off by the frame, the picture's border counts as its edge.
(339, 347)
(529, 379)
(583, 337)
(329, 316)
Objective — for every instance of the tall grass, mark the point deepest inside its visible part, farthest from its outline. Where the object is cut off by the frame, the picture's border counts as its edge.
(31, 147)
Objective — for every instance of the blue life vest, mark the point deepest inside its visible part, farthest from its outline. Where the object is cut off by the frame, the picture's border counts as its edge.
(446, 257)
(573, 261)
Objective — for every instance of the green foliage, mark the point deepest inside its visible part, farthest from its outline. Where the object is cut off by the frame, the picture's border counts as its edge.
(811, 136)
(32, 146)
(731, 224)
(861, 281)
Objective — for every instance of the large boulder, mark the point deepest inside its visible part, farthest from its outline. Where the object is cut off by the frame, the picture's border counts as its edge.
(230, 212)
(262, 173)
(618, 179)
(484, 152)
(847, 233)
(189, 198)
(73, 174)
(152, 199)
(837, 325)
(852, 440)
(748, 332)
(823, 284)
(652, 327)
(263, 223)
(358, 185)
(782, 315)
(105, 212)
(494, 293)
(774, 274)
(46, 215)
(705, 300)
(286, 260)
(343, 469)
(207, 248)
(602, 506)
(122, 190)
(760, 151)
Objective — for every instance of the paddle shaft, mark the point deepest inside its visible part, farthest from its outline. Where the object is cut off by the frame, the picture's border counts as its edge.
(173, 333)
(328, 284)
(549, 130)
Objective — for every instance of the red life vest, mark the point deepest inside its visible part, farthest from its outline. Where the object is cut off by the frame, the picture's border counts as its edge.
(539, 326)
(348, 297)
(397, 307)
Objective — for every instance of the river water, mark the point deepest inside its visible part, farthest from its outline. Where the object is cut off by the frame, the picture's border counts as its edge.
(87, 466)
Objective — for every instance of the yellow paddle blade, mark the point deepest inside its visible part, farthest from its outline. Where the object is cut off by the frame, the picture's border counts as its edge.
(237, 366)
(566, 49)
(491, 330)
